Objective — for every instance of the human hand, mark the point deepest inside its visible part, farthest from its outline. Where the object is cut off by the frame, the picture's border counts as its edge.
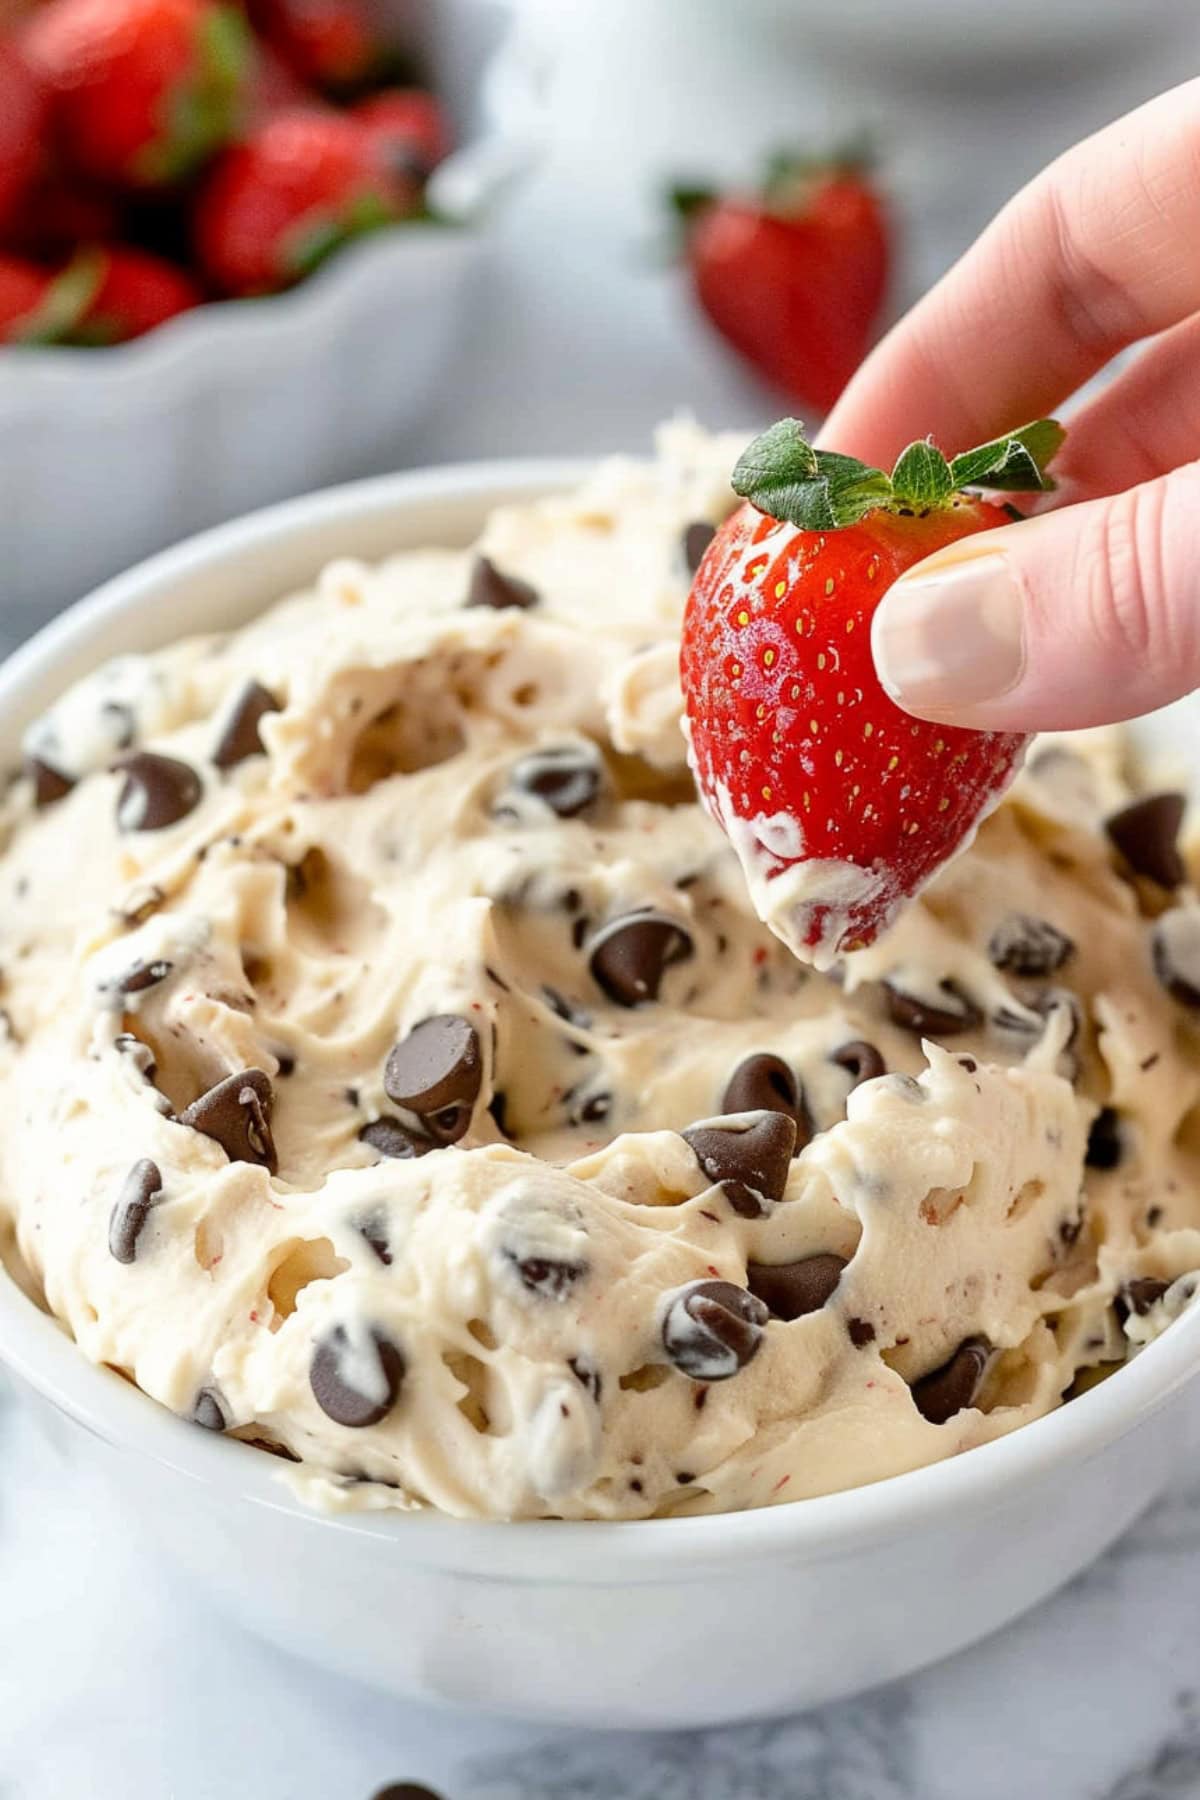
(1089, 612)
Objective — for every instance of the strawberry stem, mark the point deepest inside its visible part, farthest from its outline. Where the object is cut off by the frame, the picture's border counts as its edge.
(782, 475)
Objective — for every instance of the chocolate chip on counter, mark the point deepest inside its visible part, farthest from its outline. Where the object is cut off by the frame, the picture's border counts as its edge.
(1023, 945)
(1139, 1295)
(751, 1164)
(793, 1290)
(142, 975)
(372, 1228)
(1105, 1146)
(695, 541)
(393, 1138)
(406, 1790)
(765, 1083)
(861, 1332)
(208, 1411)
(861, 1061)
(157, 791)
(950, 1013)
(48, 784)
(241, 738)
(437, 1072)
(948, 1389)
(629, 956)
(139, 1192)
(490, 587)
(566, 777)
(377, 1364)
(712, 1329)
(588, 1375)
(550, 1277)
(236, 1114)
(1175, 951)
(1146, 834)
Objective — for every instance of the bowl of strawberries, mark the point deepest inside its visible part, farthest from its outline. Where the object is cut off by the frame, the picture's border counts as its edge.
(237, 239)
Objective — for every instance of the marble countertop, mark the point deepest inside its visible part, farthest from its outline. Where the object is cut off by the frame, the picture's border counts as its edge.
(117, 1683)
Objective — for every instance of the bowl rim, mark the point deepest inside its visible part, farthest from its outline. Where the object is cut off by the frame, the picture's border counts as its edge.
(40, 1351)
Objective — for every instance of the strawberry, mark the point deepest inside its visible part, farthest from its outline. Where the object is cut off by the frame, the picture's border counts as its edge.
(134, 291)
(408, 128)
(21, 121)
(59, 212)
(329, 44)
(794, 275)
(141, 91)
(840, 805)
(276, 205)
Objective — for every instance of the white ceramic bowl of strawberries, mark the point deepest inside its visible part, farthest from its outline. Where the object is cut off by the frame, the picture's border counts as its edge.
(236, 249)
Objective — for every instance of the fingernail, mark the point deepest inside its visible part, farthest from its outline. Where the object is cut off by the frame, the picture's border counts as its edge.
(950, 634)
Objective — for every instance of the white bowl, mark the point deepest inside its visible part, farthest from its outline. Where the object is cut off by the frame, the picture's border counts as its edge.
(107, 455)
(671, 1622)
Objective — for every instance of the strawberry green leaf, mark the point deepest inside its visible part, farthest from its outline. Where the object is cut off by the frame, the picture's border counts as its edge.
(67, 300)
(687, 199)
(1015, 463)
(782, 475)
(316, 238)
(921, 477)
(204, 112)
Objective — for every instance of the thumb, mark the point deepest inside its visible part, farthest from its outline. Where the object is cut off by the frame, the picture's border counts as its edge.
(1077, 617)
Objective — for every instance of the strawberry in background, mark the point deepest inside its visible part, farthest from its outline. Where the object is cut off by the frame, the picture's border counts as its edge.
(793, 276)
(22, 110)
(140, 91)
(276, 205)
(330, 45)
(408, 130)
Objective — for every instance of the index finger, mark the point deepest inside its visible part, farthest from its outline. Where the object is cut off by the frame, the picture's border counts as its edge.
(1098, 251)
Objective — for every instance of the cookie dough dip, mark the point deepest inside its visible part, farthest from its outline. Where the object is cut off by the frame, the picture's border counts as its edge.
(395, 1074)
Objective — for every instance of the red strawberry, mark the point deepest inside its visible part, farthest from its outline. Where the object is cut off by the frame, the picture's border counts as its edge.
(794, 276)
(141, 91)
(408, 128)
(275, 206)
(327, 43)
(840, 805)
(39, 307)
(134, 291)
(21, 120)
(58, 213)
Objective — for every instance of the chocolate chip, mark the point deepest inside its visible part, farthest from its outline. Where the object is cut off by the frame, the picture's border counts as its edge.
(142, 975)
(208, 1411)
(406, 1790)
(376, 1364)
(948, 1389)
(765, 1083)
(1146, 835)
(286, 1062)
(1175, 950)
(139, 1054)
(629, 956)
(48, 784)
(565, 776)
(1104, 1146)
(436, 1072)
(1023, 945)
(1139, 1295)
(792, 1290)
(241, 738)
(593, 1110)
(498, 1108)
(861, 1332)
(712, 1329)
(861, 1061)
(566, 1009)
(550, 1277)
(696, 538)
(140, 906)
(588, 1376)
(750, 1164)
(392, 1138)
(139, 1192)
(950, 1013)
(236, 1114)
(372, 1227)
(157, 791)
(489, 587)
